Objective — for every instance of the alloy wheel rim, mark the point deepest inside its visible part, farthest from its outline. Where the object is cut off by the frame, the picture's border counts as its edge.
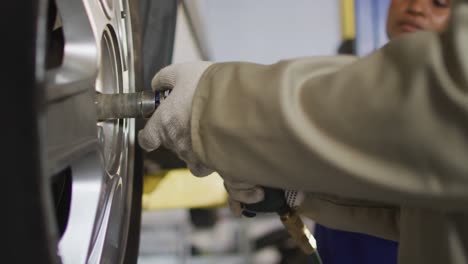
(97, 54)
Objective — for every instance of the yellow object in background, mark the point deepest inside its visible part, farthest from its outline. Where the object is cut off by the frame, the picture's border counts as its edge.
(180, 189)
(348, 22)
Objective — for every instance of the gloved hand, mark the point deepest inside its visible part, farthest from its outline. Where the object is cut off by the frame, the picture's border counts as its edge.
(170, 124)
(241, 192)
(246, 193)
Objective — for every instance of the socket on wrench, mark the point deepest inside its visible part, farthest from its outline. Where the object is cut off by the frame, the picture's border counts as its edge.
(130, 105)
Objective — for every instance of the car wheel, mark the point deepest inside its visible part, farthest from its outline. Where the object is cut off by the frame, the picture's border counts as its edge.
(77, 195)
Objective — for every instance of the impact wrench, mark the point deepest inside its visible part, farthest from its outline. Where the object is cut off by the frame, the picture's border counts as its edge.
(143, 104)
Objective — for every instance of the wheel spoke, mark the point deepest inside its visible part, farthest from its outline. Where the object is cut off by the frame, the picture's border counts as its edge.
(74, 246)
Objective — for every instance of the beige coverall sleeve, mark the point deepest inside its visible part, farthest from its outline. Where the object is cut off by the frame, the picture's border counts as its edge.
(390, 128)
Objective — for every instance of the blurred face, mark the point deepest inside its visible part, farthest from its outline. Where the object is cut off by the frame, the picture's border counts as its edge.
(405, 16)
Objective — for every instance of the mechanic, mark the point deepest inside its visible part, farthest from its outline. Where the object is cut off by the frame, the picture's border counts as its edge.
(377, 146)
(336, 246)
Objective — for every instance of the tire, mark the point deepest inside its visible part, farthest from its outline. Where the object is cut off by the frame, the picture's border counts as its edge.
(156, 26)
(158, 19)
(74, 195)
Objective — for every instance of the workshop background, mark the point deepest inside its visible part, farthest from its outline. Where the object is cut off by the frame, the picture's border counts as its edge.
(180, 224)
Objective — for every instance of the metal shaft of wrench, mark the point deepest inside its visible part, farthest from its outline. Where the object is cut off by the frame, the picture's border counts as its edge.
(130, 105)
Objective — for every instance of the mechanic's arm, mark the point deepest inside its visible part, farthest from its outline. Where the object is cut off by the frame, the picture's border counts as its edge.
(392, 127)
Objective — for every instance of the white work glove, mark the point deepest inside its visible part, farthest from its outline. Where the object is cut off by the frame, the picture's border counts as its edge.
(170, 127)
(246, 193)
(242, 192)
(170, 124)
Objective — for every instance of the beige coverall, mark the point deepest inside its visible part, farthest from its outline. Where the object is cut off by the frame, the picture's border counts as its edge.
(379, 144)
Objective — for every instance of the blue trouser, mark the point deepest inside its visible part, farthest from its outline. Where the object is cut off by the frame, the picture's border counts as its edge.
(340, 247)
